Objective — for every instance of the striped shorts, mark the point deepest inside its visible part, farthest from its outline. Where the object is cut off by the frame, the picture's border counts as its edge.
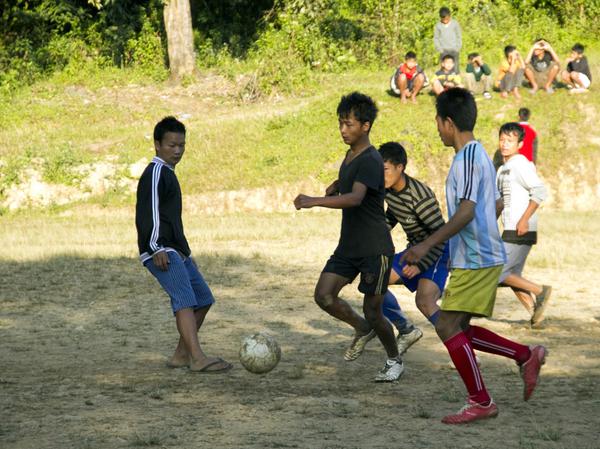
(183, 282)
(374, 271)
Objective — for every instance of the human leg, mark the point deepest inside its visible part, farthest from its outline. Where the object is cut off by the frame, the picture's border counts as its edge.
(326, 297)
(470, 83)
(402, 83)
(418, 82)
(437, 87)
(551, 76)
(525, 299)
(529, 74)
(426, 298)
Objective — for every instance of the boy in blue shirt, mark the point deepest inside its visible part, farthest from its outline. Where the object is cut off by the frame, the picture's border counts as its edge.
(476, 260)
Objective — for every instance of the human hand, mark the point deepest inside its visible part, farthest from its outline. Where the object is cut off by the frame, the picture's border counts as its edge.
(161, 260)
(522, 227)
(410, 271)
(415, 253)
(303, 202)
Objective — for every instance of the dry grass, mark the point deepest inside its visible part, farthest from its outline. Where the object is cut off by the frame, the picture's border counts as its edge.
(85, 332)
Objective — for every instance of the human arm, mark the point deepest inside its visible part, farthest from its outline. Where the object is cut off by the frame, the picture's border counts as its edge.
(499, 207)
(429, 214)
(486, 69)
(528, 178)
(462, 217)
(535, 149)
(343, 201)
(437, 38)
(333, 189)
(457, 35)
(550, 50)
(530, 53)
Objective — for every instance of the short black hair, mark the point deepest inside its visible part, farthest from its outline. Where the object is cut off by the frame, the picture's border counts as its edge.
(166, 125)
(393, 152)
(524, 114)
(509, 49)
(444, 12)
(459, 105)
(410, 55)
(362, 106)
(578, 48)
(512, 128)
(472, 55)
(447, 56)
(539, 39)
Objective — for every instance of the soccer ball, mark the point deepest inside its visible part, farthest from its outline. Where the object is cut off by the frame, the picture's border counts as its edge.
(259, 353)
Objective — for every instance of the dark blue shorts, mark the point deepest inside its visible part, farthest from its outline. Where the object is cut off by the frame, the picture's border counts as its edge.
(437, 272)
(183, 282)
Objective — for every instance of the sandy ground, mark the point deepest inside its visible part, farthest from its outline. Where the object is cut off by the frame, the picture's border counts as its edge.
(84, 342)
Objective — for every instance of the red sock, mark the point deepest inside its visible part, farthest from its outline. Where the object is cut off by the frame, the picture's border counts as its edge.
(485, 340)
(463, 357)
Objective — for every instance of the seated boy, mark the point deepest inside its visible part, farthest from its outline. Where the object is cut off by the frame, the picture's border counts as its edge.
(510, 74)
(577, 75)
(542, 66)
(521, 191)
(408, 79)
(478, 79)
(446, 77)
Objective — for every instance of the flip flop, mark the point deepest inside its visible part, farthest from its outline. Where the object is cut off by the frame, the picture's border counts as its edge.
(206, 368)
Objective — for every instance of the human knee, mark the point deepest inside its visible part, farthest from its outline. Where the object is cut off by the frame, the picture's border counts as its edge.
(372, 312)
(324, 299)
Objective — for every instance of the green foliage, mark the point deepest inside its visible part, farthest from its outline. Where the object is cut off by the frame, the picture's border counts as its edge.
(59, 166)
(146, 52)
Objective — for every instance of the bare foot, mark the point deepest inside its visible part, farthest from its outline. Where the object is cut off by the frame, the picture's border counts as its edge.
(413, 99)
(504, 94)
(517, 94)
(179, 361)
(403, 100)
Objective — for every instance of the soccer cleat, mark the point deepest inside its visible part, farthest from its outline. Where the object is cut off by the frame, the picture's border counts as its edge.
(391, 371)
(472, 411)
(541, 302)
(530, 370)
(358, 345)
(405, 341)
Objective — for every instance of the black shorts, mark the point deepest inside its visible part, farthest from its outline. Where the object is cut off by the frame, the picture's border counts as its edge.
(374, 271)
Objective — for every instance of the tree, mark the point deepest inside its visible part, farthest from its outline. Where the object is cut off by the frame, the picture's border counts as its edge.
(180, 39)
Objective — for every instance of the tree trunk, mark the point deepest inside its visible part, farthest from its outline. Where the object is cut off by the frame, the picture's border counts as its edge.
(180, 38)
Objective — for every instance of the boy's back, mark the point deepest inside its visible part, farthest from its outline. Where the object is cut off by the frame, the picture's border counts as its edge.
(472, 177)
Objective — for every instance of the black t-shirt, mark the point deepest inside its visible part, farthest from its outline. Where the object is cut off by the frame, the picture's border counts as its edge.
(541, 65)
(580, 66)
(364, 230)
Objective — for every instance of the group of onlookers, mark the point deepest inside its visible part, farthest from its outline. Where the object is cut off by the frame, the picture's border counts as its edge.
(540, 68)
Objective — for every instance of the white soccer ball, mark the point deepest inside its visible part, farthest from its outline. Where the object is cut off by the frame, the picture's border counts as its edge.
(259, 353)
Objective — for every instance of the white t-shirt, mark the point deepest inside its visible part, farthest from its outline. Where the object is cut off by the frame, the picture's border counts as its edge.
(518, 183)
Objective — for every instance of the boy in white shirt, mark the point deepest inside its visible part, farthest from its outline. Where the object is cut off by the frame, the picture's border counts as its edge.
(522, 192)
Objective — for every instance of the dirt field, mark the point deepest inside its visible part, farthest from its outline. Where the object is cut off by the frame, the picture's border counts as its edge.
(85, 333)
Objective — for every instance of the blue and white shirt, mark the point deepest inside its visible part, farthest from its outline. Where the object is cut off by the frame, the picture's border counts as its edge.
(472, 177)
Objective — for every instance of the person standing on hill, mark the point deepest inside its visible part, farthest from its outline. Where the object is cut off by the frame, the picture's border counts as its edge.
(447, 37)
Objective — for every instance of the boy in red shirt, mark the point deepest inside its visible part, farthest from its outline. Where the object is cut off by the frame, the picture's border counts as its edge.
(409, 78)
(530, 141)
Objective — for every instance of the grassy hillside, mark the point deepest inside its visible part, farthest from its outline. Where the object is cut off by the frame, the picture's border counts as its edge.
(58, 129)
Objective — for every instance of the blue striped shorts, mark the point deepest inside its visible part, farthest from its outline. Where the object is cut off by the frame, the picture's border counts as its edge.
(183, 282)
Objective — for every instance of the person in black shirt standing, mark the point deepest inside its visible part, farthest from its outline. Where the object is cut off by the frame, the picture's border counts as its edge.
(365, 246)
(165, 252)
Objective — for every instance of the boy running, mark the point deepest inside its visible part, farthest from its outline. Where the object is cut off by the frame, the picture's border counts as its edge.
(365, 246)
(522, 192)
(165, 252)
(414, 205)
(476, 260)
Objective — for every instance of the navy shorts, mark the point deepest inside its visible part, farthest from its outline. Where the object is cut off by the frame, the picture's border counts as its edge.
(374, 271)
(183, 282)
(437, 272)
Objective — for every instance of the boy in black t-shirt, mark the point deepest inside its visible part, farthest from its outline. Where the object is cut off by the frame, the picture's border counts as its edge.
(365, 246)
(577, 76)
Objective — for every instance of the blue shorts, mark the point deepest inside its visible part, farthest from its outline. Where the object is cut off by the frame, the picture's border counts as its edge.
(437, 272)
(183, 283)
